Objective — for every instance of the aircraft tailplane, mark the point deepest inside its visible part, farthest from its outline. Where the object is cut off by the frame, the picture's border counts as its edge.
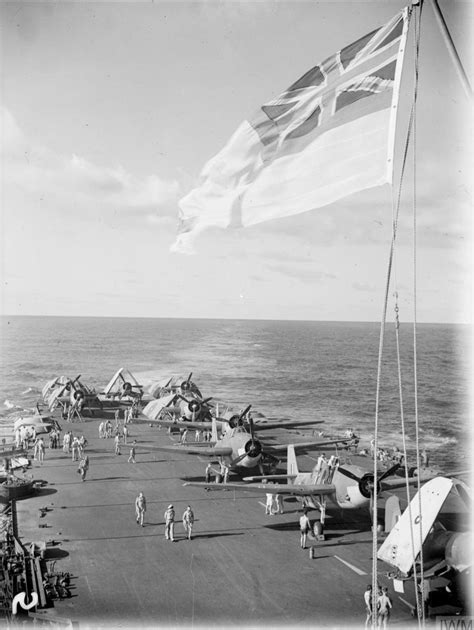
(401, 547)
(291, 463)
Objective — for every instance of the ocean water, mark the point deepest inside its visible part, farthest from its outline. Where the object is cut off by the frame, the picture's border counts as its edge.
(312, 370)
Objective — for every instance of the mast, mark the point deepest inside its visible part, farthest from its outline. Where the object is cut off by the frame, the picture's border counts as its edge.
(448, 40)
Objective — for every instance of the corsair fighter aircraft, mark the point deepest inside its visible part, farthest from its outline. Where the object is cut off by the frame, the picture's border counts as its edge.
(349, 487)
(239, 448)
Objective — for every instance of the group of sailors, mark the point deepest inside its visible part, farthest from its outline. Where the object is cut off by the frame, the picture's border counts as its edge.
(274, 504)
(220, 476)
(394, 455)
(26, 435)
(325, 468)
(107, 430)
(23, 435)
(206, 435)
(74, 445)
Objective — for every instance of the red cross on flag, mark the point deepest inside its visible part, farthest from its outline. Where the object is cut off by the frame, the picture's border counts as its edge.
(327, 136)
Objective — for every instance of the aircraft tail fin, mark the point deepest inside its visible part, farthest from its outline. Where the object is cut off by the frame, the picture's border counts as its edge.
(291, 463)
(392, 512)
(214, 430)
(402, 546)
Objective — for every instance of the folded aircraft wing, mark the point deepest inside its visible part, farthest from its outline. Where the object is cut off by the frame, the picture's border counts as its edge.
(207, 451)
(153, 409)
(302, 490)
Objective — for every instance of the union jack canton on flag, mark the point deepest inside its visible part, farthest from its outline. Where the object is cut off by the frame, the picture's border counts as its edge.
(327, 136)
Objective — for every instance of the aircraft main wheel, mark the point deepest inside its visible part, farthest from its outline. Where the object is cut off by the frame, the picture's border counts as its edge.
(318, 528)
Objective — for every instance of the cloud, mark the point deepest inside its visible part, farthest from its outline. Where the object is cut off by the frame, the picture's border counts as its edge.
(300, 273)
(365, 287)
(39, 171)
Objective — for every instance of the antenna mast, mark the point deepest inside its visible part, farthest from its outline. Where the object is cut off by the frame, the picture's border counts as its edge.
(448, 40)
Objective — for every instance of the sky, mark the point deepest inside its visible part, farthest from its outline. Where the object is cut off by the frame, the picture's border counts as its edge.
(109, 111)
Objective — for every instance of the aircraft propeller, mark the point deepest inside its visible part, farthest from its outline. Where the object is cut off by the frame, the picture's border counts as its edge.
(366, 482)
(236, 420)
(253, 448)
(186, 385)
(195, 406)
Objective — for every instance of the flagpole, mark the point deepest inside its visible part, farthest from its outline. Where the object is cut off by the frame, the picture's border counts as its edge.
(448, 40)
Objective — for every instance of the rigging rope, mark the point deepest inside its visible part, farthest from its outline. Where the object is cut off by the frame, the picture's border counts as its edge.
(395, 216)
(412, 131)
(421, 610)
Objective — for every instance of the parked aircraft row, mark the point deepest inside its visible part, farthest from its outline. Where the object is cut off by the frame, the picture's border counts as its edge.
(168, 402)
(177, 402)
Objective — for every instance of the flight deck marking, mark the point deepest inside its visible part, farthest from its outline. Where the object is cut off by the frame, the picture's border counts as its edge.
(262, 504)
(351, 566)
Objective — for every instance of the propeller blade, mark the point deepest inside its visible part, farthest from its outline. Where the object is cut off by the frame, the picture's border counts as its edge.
(189, 377)
(252, 430)
(238, 459)
(389, 472)
(244, 412)
(171, 402)
(349, 474)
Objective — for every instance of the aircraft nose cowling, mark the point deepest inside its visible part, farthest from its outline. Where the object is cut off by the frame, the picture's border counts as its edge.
(193, 408)
(253, 448)
(366, 485)
(234, 421)
(455, 552)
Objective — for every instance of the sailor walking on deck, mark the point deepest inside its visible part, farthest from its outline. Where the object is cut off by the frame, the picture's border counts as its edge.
(368, 604)
(277, 504)
(76, 448)
(83, 467)
(225, 472)
(305, 528)
(41, 449)
(269, 503)
(188, 521)
(140, 508)
(425, 459)
(169, 523)
(384, 605)
(131, 459)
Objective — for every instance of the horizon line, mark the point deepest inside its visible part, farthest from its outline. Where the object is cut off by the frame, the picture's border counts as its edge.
(253, 319)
